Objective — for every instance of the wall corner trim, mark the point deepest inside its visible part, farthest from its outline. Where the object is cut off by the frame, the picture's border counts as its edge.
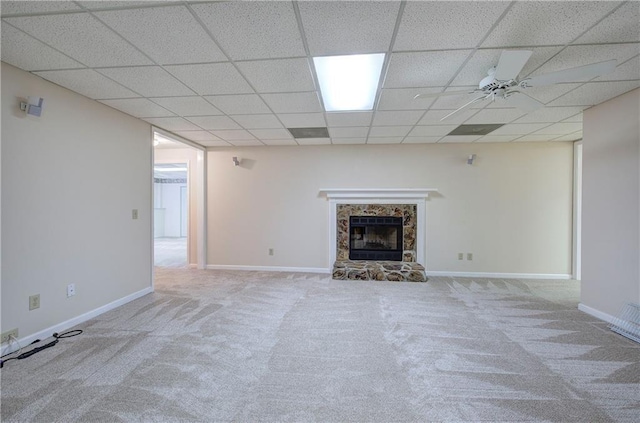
(46, 333)
(500, 275)
(596, 313)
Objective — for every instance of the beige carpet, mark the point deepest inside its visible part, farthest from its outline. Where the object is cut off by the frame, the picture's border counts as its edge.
(255, 346)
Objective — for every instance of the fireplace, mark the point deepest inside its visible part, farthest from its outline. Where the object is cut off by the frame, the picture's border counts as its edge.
(375, 238)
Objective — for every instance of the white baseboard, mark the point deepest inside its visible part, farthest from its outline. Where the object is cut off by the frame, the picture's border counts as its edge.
(596, 313)
(268, 268)
(500, 275)
(61, 327)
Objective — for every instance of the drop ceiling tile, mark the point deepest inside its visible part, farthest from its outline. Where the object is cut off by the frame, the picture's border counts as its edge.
(459, 138)
(574, 118)
(88, 83)
(233, 135)
(258, 121)
(621, 25)
(187, 106)
(549, 114)
(570, 137)
(403, 98)
(349, 132)
(212, 78)
(440, 18)
(239, 104)
(25, 7)
(302, 120)
(271, 134)
(334, 28)
(394, 118)
(519, 128)
(343, 141)
(546, 23)
(432, 130)
(575, 56)
(384, 140)
(198, 135)
(498, 138)
(389, 131)
(560, 129)
(495, 116)
(535, 138)
(282, 75)
(253, 30)
(173, 124)
(421, 140)
(482, 60)
(214, 143)
(102, 4)
(349, 118)
(214, 122)
(246, 143)
(594, 93)
(81, 37)
(25, 52)
(147, 29)
(313, 141)
(149, 81)
(433, 117)
(290, 141)
(423, 69)
(629, 70)
(293, 102)
(138, 107)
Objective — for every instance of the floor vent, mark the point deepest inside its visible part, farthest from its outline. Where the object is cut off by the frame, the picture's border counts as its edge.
(628, 324)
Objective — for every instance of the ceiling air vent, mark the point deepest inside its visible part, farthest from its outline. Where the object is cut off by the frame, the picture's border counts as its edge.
(309, 132)
(480, 129)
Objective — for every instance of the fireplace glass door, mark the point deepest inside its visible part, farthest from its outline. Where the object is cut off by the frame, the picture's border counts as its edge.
(375, 238)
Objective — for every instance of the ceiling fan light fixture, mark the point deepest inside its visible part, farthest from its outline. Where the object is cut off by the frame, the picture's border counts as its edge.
(349, 82)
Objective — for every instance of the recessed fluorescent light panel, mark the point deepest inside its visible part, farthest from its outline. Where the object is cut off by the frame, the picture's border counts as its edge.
(349, 82)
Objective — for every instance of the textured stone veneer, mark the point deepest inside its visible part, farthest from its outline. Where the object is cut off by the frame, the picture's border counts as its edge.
(407, 211)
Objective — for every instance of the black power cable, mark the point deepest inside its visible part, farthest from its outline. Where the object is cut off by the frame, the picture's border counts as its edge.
(29, 353)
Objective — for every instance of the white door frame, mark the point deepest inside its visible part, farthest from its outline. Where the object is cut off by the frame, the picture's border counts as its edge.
(576, 265)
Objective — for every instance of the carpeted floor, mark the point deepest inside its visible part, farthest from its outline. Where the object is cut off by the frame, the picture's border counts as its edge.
(256, 346)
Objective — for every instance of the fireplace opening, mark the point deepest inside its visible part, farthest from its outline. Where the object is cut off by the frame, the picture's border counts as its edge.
(375, 238)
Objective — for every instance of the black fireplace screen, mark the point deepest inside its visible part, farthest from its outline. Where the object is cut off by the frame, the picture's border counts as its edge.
(375, 238)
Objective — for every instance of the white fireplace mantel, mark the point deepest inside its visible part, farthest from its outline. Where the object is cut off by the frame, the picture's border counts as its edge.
(371, 193)
(417, 196)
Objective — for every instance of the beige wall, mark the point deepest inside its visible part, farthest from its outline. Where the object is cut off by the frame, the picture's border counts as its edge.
(610, 205)
(511, 209)
(70, 180)
(189, 156)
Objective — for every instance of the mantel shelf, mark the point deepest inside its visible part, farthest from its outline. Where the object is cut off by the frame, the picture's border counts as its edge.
(383, 193)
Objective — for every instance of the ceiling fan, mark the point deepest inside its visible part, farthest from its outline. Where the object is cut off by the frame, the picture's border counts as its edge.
(502, 81)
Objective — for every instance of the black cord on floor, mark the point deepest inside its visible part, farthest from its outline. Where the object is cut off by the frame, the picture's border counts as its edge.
(29, 353)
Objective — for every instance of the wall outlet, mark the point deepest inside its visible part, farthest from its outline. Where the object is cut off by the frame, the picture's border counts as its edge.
(469, 256)
(270, 251)
(71, 290)
(134, 214)
(460, 256)
(34, 302)
(7, 334)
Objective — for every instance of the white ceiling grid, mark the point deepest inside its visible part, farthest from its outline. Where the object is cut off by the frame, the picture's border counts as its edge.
(239, 73)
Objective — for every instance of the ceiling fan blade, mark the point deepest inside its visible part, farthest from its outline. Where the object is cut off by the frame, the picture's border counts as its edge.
(573, 74)
(431, 95)
(524, 102)
(482, 97)
(511, 63)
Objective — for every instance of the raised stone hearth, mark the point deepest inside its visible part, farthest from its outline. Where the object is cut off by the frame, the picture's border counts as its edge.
(396, 271)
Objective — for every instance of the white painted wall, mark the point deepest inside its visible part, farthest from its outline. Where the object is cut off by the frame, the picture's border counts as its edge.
(511, 209)
(70, 180)
(189, 156)
(611, 205)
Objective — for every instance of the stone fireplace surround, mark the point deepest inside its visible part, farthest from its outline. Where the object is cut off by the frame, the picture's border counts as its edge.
(374, 201)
